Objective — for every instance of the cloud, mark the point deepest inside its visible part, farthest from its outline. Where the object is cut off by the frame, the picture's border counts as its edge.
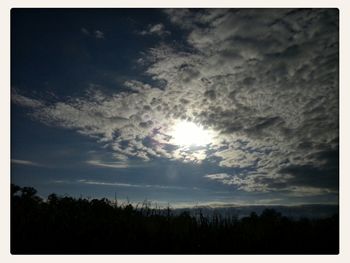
(314, 174)
(25, 101)
(157, 29)
(265, 80)
(252, 182)
(246, 181)
(117, 165)
(217, 176)
(131, 185)
(94, 33)
(303, 191)
(132, 124)
(24, 162)
(85, 31)
(99, 34)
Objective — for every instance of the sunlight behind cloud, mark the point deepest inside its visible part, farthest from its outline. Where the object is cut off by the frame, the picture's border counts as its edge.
(187, 133)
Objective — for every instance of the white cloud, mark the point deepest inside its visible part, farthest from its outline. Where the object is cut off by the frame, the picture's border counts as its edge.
(157, 29)
(25, 101)
(246, 181)
(24, 162)
(217, 176)
(131, 185)
(117, 165)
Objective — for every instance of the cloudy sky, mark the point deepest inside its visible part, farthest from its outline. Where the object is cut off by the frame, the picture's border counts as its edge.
(177, 106)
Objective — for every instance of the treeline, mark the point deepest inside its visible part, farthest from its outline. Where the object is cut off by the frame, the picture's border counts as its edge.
(65, 225)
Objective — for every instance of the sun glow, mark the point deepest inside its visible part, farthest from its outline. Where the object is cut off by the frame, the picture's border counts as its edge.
(188, 133)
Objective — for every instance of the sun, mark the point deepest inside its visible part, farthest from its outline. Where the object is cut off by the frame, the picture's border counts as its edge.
(186, 133)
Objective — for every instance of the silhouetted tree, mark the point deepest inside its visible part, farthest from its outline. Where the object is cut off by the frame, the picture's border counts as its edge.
(64, 225)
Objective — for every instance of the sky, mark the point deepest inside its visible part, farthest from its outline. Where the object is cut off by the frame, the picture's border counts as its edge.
(177, 106)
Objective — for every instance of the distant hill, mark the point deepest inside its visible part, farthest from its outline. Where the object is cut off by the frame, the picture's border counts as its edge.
(311, 211)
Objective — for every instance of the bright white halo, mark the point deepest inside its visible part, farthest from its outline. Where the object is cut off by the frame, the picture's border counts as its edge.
(186, 133)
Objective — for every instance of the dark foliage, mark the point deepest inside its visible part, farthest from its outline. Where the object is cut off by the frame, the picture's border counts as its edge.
(64, 225)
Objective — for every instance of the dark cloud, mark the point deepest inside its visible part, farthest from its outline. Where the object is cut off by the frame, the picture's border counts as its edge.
(146, 124)
(93, 33)
(210, 94)
(309, 175)
(322, 172)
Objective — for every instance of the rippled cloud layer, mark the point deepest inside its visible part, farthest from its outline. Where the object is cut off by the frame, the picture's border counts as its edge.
(263, 82)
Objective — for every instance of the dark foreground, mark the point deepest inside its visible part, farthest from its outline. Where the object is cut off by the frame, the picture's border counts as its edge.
(64, 225)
